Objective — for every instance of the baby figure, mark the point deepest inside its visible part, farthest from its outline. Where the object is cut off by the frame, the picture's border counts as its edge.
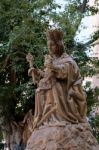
(48, 77)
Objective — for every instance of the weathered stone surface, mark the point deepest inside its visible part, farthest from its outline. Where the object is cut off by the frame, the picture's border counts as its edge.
(69, 137)
(60, 102)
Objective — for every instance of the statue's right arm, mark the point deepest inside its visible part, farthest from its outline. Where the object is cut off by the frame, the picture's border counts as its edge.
(33, 72)
(36, 74)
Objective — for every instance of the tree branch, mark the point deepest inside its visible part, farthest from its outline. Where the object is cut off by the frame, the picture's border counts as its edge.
(84, 6)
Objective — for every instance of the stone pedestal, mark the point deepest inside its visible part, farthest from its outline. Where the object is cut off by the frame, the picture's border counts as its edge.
(68, 137)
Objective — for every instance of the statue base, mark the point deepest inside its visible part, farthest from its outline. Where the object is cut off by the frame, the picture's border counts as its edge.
(68, 137)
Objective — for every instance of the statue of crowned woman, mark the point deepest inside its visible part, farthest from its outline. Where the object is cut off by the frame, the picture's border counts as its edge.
(60, 101)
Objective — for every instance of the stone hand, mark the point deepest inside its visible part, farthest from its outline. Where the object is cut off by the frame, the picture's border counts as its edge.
(30, 59)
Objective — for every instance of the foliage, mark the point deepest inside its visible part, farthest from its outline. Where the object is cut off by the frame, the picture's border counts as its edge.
(92, 97)
(94, 121)
(23, 25)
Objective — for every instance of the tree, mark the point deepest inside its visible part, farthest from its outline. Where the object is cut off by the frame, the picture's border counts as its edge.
(22, 27)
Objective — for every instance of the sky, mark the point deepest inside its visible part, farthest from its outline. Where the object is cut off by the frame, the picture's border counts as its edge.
(89, 24)
(61, 2)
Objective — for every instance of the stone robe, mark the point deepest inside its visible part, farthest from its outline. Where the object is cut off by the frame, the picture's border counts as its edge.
(60, 99)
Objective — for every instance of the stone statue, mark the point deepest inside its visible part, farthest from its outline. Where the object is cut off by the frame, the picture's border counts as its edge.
(59, 97)
(60, 102)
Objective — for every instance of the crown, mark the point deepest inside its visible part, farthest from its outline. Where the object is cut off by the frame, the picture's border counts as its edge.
(55, 35)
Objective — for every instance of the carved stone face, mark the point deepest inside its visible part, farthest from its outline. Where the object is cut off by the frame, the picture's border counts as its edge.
(55, 48)
(52, 46)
